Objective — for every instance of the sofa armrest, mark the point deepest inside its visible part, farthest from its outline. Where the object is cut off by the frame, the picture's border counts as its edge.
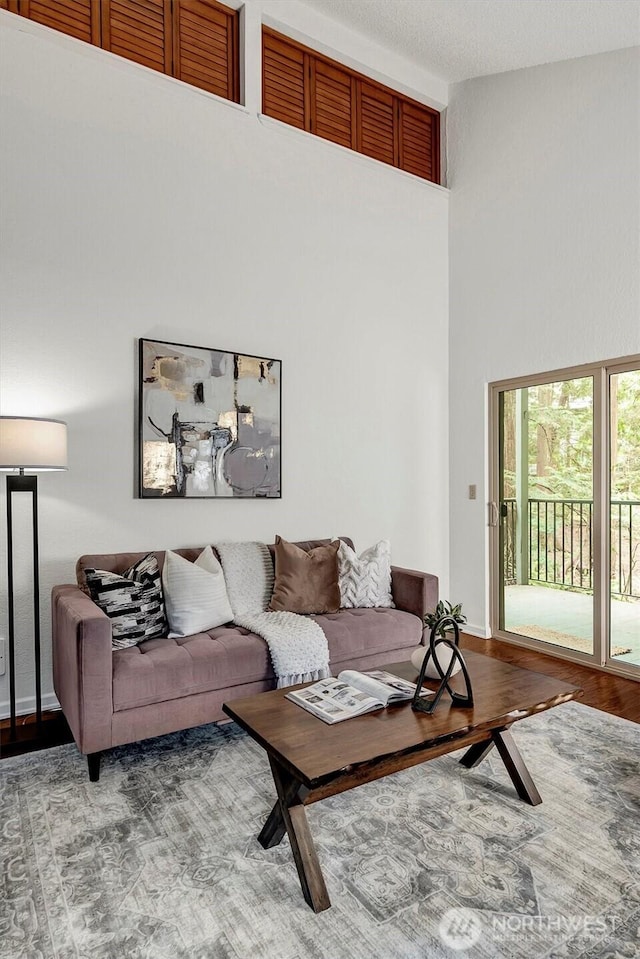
(82, 666)
(413, 591)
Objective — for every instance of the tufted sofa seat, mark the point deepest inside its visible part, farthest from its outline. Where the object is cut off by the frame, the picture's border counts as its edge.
(115, 696)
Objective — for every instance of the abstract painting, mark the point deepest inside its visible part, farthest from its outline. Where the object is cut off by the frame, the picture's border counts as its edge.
(209, 423)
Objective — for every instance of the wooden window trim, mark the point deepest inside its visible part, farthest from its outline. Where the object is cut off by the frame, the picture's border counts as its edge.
(234, 58)
(313, 57)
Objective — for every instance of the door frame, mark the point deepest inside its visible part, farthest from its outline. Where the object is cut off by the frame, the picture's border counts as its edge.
(600, 373)
(610, 369)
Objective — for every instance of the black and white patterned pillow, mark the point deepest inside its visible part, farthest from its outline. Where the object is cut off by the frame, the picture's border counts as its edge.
(133, 602)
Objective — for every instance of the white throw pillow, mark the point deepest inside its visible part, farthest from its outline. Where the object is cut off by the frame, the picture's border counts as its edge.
(195, 594)
(365, 580)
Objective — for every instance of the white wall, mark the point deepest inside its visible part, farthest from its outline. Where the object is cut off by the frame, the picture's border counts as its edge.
(135, 206)
(544, 172)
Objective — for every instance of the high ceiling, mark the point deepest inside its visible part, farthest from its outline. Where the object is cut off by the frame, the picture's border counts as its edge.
(460, 39)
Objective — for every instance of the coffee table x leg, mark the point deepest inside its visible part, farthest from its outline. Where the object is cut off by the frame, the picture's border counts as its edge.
(288, 815)
(511, 757)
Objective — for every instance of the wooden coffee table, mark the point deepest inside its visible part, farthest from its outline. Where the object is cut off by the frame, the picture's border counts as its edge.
(311, 760)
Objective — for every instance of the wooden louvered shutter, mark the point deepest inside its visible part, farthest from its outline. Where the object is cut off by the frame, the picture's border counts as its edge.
(193, 40)
(284, 70)
(419, 145)
(205, 48)
(376, 133)
(332, 104)
(139, 30)
(308, 90)
(76, 18)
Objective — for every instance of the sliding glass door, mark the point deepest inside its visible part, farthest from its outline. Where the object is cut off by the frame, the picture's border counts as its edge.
(565, 513)
(624, 531)
(546, 512)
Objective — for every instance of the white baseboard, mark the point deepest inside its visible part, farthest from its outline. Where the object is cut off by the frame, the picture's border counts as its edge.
(27, 705)
(476, 631)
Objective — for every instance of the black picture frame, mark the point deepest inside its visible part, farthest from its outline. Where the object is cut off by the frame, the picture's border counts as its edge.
(209, 423)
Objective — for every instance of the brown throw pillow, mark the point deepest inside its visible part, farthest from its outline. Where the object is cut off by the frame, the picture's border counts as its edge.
(306, 582)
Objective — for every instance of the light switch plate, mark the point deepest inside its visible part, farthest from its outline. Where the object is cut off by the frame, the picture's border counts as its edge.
(472, 491)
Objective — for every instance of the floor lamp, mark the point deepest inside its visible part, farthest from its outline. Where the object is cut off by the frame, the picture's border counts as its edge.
(28, 443)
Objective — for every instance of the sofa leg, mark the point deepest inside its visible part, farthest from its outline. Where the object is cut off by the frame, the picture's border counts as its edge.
(93, 759)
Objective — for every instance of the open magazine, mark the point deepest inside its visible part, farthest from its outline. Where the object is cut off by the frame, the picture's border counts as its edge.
(353, 693)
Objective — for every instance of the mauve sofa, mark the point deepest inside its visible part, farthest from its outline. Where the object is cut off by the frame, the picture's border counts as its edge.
(115, 696)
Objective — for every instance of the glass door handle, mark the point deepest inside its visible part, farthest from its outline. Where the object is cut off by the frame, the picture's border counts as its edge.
(493, 514)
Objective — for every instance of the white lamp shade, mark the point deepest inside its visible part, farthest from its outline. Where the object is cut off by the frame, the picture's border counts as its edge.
(31, 443)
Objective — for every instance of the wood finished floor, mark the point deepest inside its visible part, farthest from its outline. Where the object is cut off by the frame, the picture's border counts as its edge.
(54, 731)
(612, 694)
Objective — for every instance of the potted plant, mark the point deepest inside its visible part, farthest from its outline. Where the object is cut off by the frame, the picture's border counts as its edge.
(445, 609)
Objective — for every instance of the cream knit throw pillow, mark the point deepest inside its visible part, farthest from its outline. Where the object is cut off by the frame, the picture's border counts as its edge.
(365, 580)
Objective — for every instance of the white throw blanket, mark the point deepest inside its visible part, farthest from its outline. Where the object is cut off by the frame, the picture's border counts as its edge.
(298, 647)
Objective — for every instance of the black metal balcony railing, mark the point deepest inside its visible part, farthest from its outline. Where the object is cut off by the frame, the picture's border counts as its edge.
(560, 538)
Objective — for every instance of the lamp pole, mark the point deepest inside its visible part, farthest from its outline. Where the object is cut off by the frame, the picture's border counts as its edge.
(27, 443)
(23, 484)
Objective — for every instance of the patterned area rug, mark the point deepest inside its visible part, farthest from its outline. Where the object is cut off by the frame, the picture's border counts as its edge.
(159, 860)
(564, 639)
